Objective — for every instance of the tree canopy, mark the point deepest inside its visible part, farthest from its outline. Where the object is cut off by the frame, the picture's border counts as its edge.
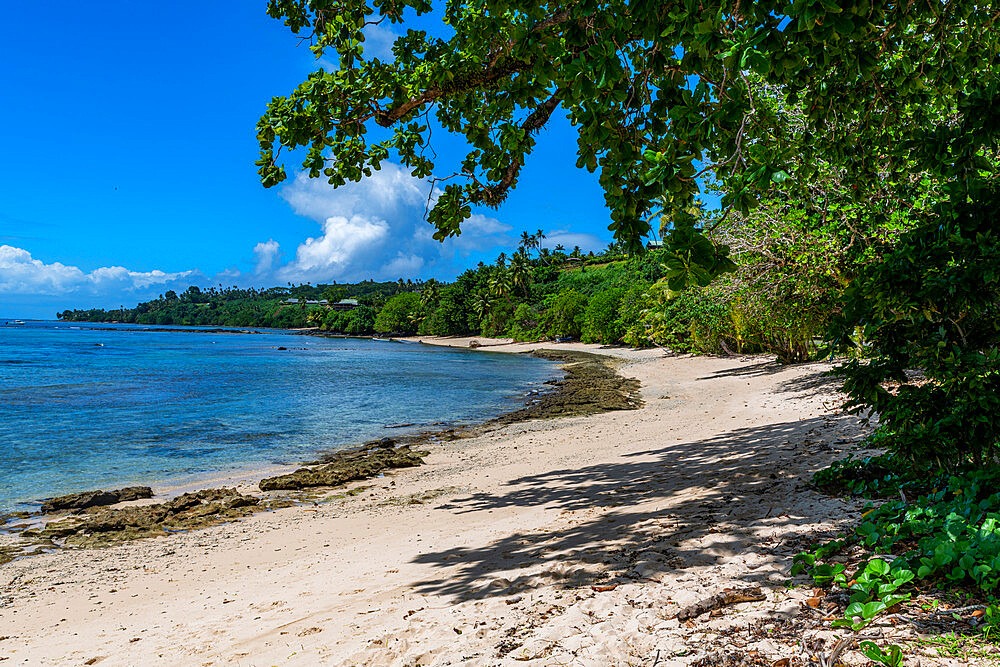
(660, 93)
(867, 117)
(856, 146)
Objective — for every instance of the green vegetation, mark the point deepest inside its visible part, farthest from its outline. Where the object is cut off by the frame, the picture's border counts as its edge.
(398, 314)
(278, 307)
(539, 294)
(946, 539)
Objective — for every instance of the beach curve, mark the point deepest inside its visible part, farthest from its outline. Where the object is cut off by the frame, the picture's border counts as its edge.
(544, 542)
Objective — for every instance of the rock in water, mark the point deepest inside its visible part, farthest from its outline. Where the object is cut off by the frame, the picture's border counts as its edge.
(79, 501)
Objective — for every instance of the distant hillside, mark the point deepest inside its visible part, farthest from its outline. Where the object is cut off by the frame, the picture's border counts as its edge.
(243, 307)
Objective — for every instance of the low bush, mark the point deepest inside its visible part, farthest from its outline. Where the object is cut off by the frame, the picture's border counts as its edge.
(398, 315)
(602, 321)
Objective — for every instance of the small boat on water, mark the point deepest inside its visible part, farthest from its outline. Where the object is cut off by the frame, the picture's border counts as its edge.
(15, 323)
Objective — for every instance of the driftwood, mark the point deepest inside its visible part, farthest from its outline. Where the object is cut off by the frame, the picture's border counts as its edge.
(732, 596)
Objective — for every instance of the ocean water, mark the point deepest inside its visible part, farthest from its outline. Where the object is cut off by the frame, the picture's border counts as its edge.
(85, 406)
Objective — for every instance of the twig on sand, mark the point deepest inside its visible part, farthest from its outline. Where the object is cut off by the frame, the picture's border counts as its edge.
(831, 659)
(732, 596)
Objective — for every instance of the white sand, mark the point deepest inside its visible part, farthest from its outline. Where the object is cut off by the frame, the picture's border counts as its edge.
(488, 554)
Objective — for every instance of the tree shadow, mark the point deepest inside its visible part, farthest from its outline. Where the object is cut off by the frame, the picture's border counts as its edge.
(821, 381)
(723, 492)
(817, 383)
(767, 366)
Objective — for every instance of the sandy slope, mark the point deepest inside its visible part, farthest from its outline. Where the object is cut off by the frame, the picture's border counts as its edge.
(488, 554)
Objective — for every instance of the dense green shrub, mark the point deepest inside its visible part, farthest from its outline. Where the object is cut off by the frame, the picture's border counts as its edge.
(950, 534)
(499, 318)
(360, 321)
(691, 321)
(451, 317)
(592, 280)
(398, 314)
(602, 320)
(932, 305)
(334, 321)
(526, 323)
(632, 315)
(564, 314)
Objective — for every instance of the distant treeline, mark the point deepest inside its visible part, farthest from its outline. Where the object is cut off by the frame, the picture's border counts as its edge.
(534, 293)
(779, 299)
(231, 306)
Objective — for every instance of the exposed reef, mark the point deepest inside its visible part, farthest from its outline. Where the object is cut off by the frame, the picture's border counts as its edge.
(347, 466)
(95, 498)
(591, 385)
(100, 526)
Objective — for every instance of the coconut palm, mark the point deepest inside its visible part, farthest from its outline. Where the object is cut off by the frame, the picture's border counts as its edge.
(520, 276)
(527, 241)
(430, 293)
(500, 283)
(481, 305)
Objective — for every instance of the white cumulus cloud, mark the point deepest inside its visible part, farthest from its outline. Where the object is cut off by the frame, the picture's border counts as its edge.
(344, 242)
(375, 229)
(20, 273)
(265, 253)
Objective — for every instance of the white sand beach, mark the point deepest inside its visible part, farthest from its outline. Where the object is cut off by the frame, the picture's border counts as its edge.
(562, 542)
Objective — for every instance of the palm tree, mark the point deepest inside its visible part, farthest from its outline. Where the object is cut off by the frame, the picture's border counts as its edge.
(430, 293)
(527, 241)
(500, 283)
(519, 273)
(481, 306)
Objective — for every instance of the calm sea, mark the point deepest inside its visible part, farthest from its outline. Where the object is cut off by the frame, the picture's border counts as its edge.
(85, 406)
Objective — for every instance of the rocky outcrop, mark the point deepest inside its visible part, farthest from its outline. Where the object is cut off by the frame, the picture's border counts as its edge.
(347, 466)
(77, 501)
(591, 385)
(97, 526)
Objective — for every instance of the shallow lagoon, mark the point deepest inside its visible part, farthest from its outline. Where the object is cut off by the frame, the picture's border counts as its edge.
(87, 406)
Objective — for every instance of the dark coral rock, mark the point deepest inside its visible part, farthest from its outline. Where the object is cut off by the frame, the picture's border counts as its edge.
(343, 467)
(77, 501)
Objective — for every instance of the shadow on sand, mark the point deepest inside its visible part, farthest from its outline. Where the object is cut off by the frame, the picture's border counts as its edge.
(724, 493)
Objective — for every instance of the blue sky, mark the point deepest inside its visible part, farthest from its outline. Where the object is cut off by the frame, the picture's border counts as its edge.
(129, 150)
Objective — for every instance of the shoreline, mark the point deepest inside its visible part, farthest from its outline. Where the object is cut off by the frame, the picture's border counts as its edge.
(569, 541)
(585, 384)
(243, 476)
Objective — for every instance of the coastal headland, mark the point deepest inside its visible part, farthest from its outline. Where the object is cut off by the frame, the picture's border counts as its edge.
(571, 541)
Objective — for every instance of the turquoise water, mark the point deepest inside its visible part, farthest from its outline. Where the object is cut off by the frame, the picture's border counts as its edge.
(86, 406)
